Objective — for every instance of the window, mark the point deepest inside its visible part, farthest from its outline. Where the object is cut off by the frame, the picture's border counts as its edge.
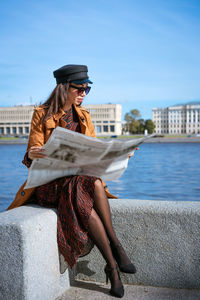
(98, 128)
(14, 129)
(26, 129)
(8, 130)
(105, 128)
(1, 130)
(112, 128)
(20, 129)
(105, 121)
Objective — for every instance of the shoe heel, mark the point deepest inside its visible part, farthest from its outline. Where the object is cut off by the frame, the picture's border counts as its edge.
(126, 268)
(106, 278)
(105, 270)
(117, 292)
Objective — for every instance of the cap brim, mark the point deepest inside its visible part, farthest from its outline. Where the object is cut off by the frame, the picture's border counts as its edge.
(81, 81)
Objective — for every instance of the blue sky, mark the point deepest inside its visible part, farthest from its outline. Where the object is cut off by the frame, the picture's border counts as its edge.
(141, 54)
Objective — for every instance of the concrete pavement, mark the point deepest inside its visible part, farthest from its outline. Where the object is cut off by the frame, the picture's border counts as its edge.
(98, 291)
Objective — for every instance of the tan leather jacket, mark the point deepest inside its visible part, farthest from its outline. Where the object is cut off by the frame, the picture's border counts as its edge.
(39, 135)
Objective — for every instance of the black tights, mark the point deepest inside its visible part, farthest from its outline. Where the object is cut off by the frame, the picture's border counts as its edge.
(100, 227)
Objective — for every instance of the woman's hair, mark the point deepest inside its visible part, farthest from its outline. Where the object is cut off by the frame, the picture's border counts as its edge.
(56, 100)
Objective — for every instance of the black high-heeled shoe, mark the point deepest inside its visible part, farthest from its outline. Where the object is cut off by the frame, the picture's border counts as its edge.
(117, 292)
(125, 268)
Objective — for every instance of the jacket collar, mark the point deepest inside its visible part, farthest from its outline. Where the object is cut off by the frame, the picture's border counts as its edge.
(79, 112)
(59, 115)
(81, 117)
(62, 112)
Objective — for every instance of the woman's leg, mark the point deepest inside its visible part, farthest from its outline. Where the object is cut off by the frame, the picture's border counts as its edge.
(98, 234)
(102, 207)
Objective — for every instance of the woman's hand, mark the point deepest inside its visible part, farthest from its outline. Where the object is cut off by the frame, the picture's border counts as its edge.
(36, 152)
(131, 154)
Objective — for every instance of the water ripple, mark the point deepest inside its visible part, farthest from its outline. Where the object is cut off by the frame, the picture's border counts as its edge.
(169, 171)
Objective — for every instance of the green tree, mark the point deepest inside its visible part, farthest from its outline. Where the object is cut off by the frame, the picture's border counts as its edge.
(135, 124)
(135, 114)
(133, 128)
(133, 121)
(128, 120)
(150, 126)
(141, 126)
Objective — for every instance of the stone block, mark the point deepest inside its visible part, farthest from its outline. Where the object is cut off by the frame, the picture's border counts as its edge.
(161, 238)
(29, 256)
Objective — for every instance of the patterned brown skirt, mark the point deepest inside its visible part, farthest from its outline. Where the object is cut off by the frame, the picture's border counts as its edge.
(73, 197)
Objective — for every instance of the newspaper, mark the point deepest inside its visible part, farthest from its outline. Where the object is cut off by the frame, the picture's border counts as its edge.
(72, 153)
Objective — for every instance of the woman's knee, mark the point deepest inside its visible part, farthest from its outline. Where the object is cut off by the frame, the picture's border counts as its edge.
(93, 216)
(98, 184)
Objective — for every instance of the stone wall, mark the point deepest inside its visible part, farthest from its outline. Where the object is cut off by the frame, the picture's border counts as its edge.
(161, 238)
(29, 258)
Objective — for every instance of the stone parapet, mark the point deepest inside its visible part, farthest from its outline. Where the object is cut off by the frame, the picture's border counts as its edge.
(29, 257)
(161, 238)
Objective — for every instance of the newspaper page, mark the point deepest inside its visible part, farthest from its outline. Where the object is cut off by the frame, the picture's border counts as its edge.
(72, 153)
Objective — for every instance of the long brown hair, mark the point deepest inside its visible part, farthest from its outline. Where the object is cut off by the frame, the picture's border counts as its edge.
(56, 100)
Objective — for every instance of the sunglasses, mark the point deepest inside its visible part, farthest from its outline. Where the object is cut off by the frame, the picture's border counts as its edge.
(81, 89)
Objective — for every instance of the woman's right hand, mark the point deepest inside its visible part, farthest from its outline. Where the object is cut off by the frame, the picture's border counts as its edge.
(36, 152)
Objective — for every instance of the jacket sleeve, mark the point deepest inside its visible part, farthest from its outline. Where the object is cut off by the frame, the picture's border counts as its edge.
(36, 136)
(90, 125)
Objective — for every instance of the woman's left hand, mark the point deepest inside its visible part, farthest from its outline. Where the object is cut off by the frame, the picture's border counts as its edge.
(131, 154)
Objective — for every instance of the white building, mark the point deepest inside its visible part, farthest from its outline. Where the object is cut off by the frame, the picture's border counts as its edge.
(177, 119)
(107, 118)
(16, 120)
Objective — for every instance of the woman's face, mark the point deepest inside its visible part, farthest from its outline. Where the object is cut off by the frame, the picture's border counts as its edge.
(74, 96)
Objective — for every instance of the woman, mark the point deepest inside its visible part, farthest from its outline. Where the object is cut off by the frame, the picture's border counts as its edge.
(81, 201)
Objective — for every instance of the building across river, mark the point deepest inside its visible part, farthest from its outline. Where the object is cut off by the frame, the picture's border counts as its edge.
(178, 119)
(107, 118)
(16, 120)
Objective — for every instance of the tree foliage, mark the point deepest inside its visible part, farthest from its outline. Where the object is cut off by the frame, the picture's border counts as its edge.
(150, 126)
(128, 118)
(135, 124)
(133, 114)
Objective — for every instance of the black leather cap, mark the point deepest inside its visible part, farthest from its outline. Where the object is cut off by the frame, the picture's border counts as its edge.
(70, 73)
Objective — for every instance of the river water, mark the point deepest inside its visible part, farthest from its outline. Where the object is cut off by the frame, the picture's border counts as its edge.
(158, 171)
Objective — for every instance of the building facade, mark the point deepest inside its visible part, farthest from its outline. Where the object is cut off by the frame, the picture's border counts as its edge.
(107, 118)
(16, 120)
(179, 119)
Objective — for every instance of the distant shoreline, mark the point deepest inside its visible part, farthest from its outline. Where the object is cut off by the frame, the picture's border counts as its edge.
(13, 142)
(151, 140)
(173, 140)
